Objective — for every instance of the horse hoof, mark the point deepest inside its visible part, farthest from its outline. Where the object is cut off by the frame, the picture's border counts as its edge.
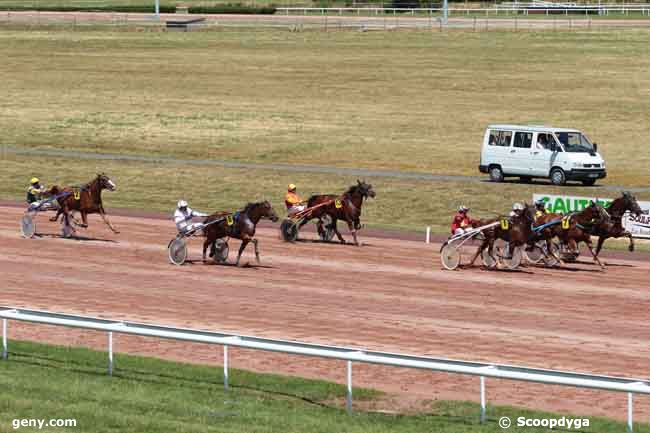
(631, 248)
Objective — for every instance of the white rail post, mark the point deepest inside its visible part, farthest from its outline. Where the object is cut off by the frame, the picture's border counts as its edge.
(482, 399)
(110, 353)
(5, 352)
(630, 425)
(158, 9)
(428, 238)
(225, 368)
(349, 401)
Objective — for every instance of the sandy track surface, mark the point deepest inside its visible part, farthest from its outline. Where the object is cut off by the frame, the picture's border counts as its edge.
(389, 295)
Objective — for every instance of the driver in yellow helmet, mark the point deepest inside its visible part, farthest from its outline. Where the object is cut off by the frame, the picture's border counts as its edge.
(292, 200)
(35, 190)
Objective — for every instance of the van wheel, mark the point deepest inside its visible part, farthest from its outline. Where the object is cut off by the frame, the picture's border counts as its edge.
(496, 174)
(557, 177)
(589, 182)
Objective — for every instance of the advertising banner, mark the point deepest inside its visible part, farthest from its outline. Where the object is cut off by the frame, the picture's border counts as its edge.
(638, 226)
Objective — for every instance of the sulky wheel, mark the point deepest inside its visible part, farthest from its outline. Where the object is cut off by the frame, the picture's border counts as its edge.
(177, 251)
(326, 229)
(450, 257)
(535, 254)
(488, 260)
(27, 226)
(289, 230)
(66, 230)
(220, 251)
(511, 261)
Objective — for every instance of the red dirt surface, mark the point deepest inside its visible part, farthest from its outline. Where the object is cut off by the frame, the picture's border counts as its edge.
(390, 294)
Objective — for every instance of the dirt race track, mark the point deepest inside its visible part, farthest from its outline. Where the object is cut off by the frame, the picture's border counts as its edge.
(388, 295)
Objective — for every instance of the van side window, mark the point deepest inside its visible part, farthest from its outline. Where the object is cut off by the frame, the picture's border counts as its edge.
(523, 139)
(500, 138)
(544, 141)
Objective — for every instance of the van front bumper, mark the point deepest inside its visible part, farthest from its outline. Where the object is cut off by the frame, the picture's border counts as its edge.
(585, 173)
(483, 168)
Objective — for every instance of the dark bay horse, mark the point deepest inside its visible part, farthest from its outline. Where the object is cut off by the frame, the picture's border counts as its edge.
(515, 230)
(346, 207)
(614, 228)
(573, 228)
(242, 226)
(86, 199)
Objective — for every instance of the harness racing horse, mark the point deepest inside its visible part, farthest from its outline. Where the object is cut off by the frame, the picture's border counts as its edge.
(346, 207)
(573, 228)
(515, 230)
(86, 199)
(614, 228)
(240, 226)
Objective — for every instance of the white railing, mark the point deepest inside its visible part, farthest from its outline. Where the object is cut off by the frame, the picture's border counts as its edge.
(483, 370)
(643, 9)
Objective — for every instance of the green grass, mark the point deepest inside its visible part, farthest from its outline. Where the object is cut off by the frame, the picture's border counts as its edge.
(151, 395)
(395, 100)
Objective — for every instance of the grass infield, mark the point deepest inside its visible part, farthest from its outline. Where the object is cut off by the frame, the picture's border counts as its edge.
(395, 100)
(150, 395)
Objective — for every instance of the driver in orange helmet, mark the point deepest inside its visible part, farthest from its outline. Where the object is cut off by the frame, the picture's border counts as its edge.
(292, 200)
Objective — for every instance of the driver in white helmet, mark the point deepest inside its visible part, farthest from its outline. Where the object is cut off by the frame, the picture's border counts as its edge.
(517, 210)
(183, 217)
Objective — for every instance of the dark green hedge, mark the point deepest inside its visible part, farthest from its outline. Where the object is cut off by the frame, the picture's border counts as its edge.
(127, 9)
(232, 9)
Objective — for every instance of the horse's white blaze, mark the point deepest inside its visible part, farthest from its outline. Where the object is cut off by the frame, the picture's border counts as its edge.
(112, 184)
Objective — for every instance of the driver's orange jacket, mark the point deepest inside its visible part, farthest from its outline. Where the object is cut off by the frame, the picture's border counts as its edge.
(292, 199)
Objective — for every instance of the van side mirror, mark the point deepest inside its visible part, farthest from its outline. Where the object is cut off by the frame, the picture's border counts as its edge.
(553, 146)
(595, 147)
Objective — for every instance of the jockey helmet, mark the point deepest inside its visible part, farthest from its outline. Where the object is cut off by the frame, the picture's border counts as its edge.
(181, 204)
(291, 187)
(463, 209)
(517, 206)
(540, 202)
(34, 180)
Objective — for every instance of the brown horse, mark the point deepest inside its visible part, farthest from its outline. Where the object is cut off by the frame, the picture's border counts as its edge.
(241, 226)
(573, 228)
(614, 228)
(515, 230)
(346, 207)
(86, 199)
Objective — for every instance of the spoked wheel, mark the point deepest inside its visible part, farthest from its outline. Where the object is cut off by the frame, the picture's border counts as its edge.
(488, 260)
(568, 255)
(326, 234)
(27, 226)
(66, 230)
(535, 255)
(511, 260)
(450, 257)
(289, 230)
(177, 251)
(550, 260)
(220, 252)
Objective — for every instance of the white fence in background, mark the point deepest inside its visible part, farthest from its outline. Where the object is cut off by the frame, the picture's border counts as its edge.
(482, 370)
(497, 11)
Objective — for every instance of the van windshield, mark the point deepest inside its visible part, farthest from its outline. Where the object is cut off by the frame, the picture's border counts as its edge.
(575, 142)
